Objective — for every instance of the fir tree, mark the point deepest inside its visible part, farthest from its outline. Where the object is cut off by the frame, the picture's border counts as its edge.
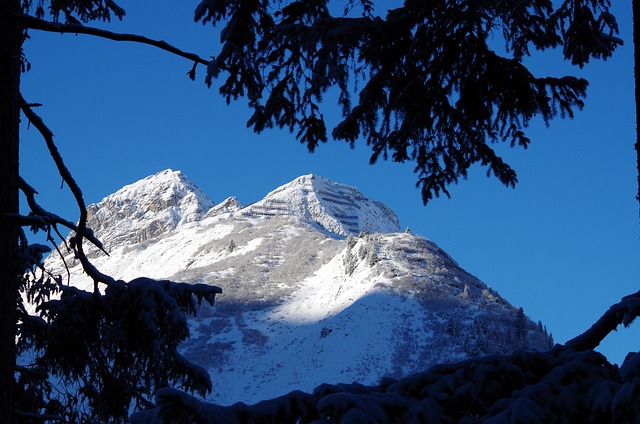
(522, 332)
(521, 324)
(430, 89)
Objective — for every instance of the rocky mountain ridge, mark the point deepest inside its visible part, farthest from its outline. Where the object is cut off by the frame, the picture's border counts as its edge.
(319, 285)
(338, 208)
(162, 202)
(147, 208)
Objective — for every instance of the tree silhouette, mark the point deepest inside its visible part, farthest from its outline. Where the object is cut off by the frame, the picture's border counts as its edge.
(431, 90)
(110, 348)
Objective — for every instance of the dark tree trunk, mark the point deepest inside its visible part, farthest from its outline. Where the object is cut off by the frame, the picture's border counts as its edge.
(10, 43)
(636, 70)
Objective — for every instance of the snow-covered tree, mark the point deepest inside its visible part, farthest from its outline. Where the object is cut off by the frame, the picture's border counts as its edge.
(522, 332)
(560, 385)
(350, 259)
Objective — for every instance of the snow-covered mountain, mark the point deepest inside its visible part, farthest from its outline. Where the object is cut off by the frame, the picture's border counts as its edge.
(319, 285)
(147, 208)
(338, 208)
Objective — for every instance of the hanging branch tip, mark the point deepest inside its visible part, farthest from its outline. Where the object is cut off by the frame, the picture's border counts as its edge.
(192, 72)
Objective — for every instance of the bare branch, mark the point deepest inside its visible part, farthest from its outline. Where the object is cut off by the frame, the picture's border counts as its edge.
(38, 417)
(45, 220)
(25, 220)
(31, 22)
(43, 217)
(34, 373)
(82, 231)
(623, 312)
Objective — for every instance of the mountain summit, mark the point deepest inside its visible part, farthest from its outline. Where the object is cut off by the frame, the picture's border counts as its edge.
(338, 208)
(318, 285)
(147, 208)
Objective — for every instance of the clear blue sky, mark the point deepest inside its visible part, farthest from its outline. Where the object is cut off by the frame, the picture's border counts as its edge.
(564, 245)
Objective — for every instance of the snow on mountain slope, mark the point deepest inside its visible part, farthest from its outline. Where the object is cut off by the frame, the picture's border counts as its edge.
(228, 205)
(147, 208)
(338, 208)
(305, 301)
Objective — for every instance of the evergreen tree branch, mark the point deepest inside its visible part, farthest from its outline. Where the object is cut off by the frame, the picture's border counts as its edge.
(560, 385)
(114, 345)
(31, 22)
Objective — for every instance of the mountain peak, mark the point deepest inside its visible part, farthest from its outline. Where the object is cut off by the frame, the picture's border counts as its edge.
(301, 307)
(149, 207)
(338, 208)
(161, 202)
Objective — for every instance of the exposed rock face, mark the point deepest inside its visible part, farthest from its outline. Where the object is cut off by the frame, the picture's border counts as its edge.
(147, 209)
(319, 285)
(338, 208)
(228, 205)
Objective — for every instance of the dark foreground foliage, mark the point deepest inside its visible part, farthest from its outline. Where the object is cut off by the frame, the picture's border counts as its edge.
(570, 383)
(561, 385)
(434, 83)
(419, 84)
(96, 356)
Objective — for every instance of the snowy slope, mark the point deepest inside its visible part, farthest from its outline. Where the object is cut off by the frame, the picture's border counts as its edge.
(305, 301)
(338, 208)
(147, 208)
